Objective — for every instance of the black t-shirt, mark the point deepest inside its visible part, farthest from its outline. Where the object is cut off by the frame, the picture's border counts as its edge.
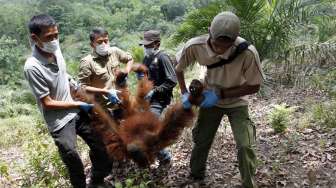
(161, 72)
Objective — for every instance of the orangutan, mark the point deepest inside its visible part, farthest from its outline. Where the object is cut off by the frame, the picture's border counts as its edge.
(140, 134)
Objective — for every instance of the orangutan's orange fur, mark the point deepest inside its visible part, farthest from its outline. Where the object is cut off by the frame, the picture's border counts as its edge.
(139, 127)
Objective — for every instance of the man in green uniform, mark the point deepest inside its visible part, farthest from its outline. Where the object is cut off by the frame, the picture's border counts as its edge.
(233, 71)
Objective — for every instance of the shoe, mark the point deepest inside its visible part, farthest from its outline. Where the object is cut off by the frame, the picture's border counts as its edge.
(193, 181)
(164, 158)
(98, 185)
(196, 178)
(165, 162)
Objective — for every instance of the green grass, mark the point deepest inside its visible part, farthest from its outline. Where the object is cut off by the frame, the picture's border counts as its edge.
(14, 131)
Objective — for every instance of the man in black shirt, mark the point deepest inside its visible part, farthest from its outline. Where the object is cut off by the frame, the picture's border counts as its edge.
(161, 72)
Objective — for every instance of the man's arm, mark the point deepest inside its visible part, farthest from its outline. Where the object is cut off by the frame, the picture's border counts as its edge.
(184, 58)
(170, 76)
(75, 86)
(253, 76)
(90, 89)
(50, 104)
(239, 91)
(129, 65)
(181, 81)
(124, 57)
(85, 72)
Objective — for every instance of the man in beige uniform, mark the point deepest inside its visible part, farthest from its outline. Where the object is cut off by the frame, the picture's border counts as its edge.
(98, 68)
(238, 76)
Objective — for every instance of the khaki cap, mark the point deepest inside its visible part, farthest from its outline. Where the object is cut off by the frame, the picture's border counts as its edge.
(225, 24)
(150, 37)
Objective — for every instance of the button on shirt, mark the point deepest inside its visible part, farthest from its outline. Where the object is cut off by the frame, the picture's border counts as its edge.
(244, 69)
(45, 78)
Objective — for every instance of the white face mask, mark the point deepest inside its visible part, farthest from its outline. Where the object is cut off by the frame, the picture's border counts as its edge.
(102, 49)
(50, 47)
(149, 51)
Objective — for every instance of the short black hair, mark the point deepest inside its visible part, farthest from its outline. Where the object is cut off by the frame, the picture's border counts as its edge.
(97, 31)
(38, 22)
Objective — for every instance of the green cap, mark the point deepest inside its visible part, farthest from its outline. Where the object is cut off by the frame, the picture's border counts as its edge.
(225, 24)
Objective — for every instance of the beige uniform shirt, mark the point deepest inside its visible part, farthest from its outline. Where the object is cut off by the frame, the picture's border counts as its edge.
(98, 71)
(244, 69)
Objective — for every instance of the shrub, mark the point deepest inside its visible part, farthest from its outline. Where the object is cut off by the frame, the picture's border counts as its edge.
(326, 80)
(280, 116)
(44, 167)
(138, 179)
(16, 102)
(10, 61)
(138, 54)
(3, 170)
(16, 130)
(24, 97)
(325, 114)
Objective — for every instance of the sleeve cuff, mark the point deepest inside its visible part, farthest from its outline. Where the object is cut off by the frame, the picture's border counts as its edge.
(43, 95)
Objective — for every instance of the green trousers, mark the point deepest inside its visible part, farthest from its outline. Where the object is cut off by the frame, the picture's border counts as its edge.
(244, 134)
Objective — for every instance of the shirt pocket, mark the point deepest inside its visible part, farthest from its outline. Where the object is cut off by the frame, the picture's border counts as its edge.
(113, 61)
(101, 73)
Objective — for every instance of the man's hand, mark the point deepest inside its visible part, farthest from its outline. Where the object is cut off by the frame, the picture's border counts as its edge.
(149, 95)
(185, 100)
(113, 96)
(85, 107)
(210, 99)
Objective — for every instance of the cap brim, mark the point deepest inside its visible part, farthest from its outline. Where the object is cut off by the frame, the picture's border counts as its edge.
(145, 42)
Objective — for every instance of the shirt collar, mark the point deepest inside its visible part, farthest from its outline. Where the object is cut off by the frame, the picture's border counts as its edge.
(94, 54)
(45, 61)
(227, 53)
(40, 57)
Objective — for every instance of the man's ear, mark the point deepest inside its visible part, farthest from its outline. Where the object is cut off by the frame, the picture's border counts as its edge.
(91, 44)
(209, 32)
(157, 44)
(36, 39)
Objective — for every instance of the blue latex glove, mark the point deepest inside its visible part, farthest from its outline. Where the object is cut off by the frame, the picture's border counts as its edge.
(140, 75)
(149, 95)
(86, 107)
(185, 100)
(210, 99)
(113, 97)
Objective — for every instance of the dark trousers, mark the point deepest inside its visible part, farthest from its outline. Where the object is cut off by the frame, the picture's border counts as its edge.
(65, 140)
(157, 109)
(243, 131)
